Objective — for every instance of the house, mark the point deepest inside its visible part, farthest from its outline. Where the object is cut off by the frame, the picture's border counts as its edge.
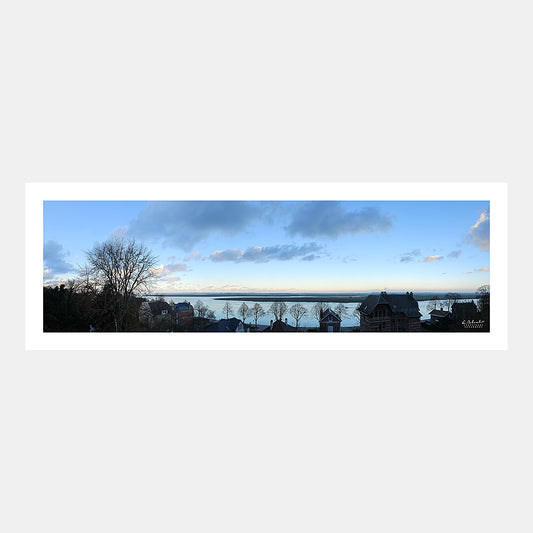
(390, 312)
(440, 316)
(280, 326)
(330, 321)
(159, 308)
(464, 311)
(184, 313)
(226, 325)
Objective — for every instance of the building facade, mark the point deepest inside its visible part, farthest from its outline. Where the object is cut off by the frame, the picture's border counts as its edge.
(390, 312)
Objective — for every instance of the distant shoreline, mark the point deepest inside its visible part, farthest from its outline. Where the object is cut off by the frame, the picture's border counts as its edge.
(308, 298)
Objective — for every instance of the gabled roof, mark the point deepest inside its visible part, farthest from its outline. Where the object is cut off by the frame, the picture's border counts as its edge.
(225, 325)
(441, 313)
(279, 325)
(329, 314)
(157, 306)
(398, 303)
(183, 306)
(464, 305)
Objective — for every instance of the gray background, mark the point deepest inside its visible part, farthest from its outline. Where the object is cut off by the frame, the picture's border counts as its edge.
(285, 441)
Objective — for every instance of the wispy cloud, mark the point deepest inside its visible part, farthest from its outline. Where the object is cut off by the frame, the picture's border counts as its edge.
(408, 257)
(431, 258)
(332, 219)
(454, 254)
(196, 255)
(263, 254)
(482, 269)
(479, 234)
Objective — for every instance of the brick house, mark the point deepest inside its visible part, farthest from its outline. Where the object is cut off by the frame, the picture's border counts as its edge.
(184, 313)
(390, 312)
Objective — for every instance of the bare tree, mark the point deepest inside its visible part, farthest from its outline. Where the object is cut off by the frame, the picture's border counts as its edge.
(450, 299)
(201, 309)
(483, 294)
(297, 311)
(244, 312)
(125, 268)
(227, 309)
(433, 304)
(278, 309)
(319, 309)
(257, 312)
(341, 310)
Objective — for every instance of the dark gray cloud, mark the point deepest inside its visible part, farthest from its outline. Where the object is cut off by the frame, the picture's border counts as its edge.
(183, 224)
(479, 234)
(263, 254)
(455, 254)
(332, 219)
(55, 259)
(409, 256)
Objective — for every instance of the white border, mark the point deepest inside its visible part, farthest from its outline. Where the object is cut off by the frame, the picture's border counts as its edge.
(36, 193)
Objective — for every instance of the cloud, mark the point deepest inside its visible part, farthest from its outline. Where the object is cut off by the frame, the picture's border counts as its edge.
(482, 269)
(409, 256)
(263, 254)
(196, 255)
(183, 224)
(54, 260)
(479, 234)
(431, 258)
(455, 254)
(226, 255)
(332, 219)
(165, 270)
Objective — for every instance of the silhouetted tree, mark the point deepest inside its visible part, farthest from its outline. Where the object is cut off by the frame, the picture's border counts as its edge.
(227, 309)
(433, 304)
(341, 310)
(450, 299)
(319, 309)
(257, 312)
(297, 311)
(278, 309)
(121, 268)
(244, 312)
(483, 294)
(201, 309)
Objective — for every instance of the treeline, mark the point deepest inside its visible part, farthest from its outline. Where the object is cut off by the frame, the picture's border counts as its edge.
(69, 308)
(104, 297)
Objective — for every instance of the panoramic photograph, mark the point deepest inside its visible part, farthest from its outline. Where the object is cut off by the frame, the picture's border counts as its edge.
(266, 266)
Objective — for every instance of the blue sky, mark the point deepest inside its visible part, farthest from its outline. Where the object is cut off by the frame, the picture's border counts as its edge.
(283, 246)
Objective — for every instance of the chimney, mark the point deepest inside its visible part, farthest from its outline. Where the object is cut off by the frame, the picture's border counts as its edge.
(285, 320)
(383, 293)
(271, 322)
